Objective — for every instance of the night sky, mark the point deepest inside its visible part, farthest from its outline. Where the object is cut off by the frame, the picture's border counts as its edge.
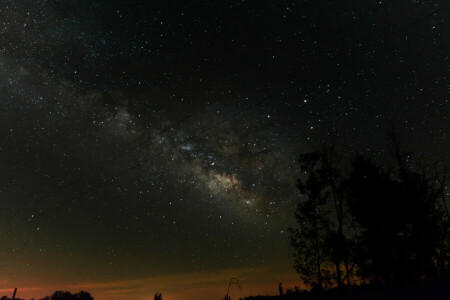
(152, 145)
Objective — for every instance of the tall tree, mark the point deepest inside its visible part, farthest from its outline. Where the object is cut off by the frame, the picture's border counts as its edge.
(400, 217)
(438, 181)
(427, 211)
(310, 240)
(375, 204)
(325, 192)
(331, 178)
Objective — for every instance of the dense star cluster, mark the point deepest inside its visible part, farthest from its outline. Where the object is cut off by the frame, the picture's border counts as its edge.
(147, 138)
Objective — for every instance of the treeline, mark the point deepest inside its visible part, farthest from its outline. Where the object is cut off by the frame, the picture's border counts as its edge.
(61, 295)
(7, 298)
(64, 295)
(370, 222)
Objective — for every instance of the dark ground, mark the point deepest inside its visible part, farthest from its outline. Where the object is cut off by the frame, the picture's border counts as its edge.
(369, 292)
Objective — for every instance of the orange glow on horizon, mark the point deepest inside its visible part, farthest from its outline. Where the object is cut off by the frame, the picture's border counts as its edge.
(199, 285)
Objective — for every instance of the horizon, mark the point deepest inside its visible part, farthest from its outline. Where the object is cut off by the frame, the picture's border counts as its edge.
(205, 285)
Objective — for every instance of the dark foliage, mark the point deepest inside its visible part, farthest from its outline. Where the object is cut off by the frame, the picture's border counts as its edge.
(158, 296)
(319, 241)
(62, 295)
(386, 224)
(398, 221)
(7, 298)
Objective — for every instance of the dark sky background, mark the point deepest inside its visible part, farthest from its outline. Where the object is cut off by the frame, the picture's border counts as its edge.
(152, 145)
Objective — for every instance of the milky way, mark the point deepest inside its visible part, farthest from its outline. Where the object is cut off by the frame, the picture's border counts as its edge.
(146, 139)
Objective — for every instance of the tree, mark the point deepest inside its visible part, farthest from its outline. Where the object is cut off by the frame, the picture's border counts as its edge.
(83, 296)
(232, 280)
(439, 180)
(322, 219)
(62, 295)
(332, 180)
(310, 240)
(400, 220)
(158, 296)
(7, 298)
(375, 204)
(397, 217)
(428, 214)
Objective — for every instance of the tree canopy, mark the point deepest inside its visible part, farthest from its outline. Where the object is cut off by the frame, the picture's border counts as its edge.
(369, 222)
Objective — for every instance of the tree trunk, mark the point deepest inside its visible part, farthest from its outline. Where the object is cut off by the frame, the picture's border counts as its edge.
(319, 273)
(348, 272)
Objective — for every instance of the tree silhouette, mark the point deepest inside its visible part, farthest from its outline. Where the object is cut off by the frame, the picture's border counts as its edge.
(320, 238)
(232, 280)
(401, 221)
(83, 296)
(375, 203)
(7, 298)
(331, 177)
(310, 240)
(64, 295)
(158, 296)
(440, 178)
(397, 216)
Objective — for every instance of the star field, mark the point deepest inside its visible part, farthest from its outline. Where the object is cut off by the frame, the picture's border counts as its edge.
(142, 139)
